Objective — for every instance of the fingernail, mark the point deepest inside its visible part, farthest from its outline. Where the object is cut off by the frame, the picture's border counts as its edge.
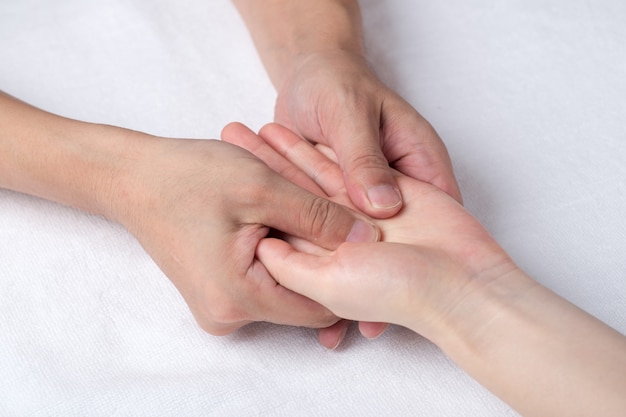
(384, 196)
(362, 232)
(340, 337)
(376, 336)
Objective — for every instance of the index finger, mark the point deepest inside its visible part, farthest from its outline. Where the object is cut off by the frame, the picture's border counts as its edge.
(240, 135)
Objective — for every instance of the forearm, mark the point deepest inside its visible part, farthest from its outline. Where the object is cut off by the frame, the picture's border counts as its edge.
(539, 353)
(284, 30)
(60, 159)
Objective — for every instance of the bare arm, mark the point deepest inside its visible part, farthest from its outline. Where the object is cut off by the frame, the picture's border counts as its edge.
(60, 159)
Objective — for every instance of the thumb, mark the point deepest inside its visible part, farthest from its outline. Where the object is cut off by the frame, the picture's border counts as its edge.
(367, 175)
(339, 282)
(298, 212)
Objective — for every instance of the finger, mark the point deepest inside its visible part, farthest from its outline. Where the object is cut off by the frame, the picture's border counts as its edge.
(328, 152)
(324, 172)
(303, 245)
(240, 135)
(293, 210)
(220, 329)
(275, 303)
(331, 280)
(414, 148)
(355, 138)
(332, 336)
(371, 329)
(296, 271)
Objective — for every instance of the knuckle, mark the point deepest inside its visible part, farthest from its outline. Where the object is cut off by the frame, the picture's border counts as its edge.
(352, 98)
(254, 189)
(369, 160)
(225, 312)
(316, 216)
(221, 318)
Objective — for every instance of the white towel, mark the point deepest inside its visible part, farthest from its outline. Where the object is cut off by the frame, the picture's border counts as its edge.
(529, 98)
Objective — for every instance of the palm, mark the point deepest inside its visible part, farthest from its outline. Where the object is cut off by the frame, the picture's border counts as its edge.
(429, 245)
(429, 217)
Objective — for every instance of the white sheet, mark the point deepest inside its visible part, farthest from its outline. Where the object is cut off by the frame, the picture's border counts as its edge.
(530, 98)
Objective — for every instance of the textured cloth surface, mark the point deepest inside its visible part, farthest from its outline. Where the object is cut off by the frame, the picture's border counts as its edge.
(530, 98)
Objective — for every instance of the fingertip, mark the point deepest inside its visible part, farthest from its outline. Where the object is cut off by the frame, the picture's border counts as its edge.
(380, 201)
(363, 232)
(372, 330)
(332, 336)
(456, 194)
(455, 191)
(232, 130)
(446, 181)
(272, 129)
(270, 247)
(384, 197)
(279, 137)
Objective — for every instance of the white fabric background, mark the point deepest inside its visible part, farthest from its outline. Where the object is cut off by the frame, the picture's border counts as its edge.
(530, 97)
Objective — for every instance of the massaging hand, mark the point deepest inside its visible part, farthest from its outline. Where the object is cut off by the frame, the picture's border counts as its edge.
(421, 267)
(198, 207)
(314, 54)
(204, 206)
(335, 99)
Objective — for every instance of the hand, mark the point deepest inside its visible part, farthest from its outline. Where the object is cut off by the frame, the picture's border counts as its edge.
(198, 207)
(201, 207)
(240, 135)
(335, 99)
(449, 281)
(424, 264)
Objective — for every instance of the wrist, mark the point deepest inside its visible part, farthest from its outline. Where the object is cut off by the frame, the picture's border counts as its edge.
(100, 159)
(122, 187)
(464, 316)
(533, 349)
(338, 63)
